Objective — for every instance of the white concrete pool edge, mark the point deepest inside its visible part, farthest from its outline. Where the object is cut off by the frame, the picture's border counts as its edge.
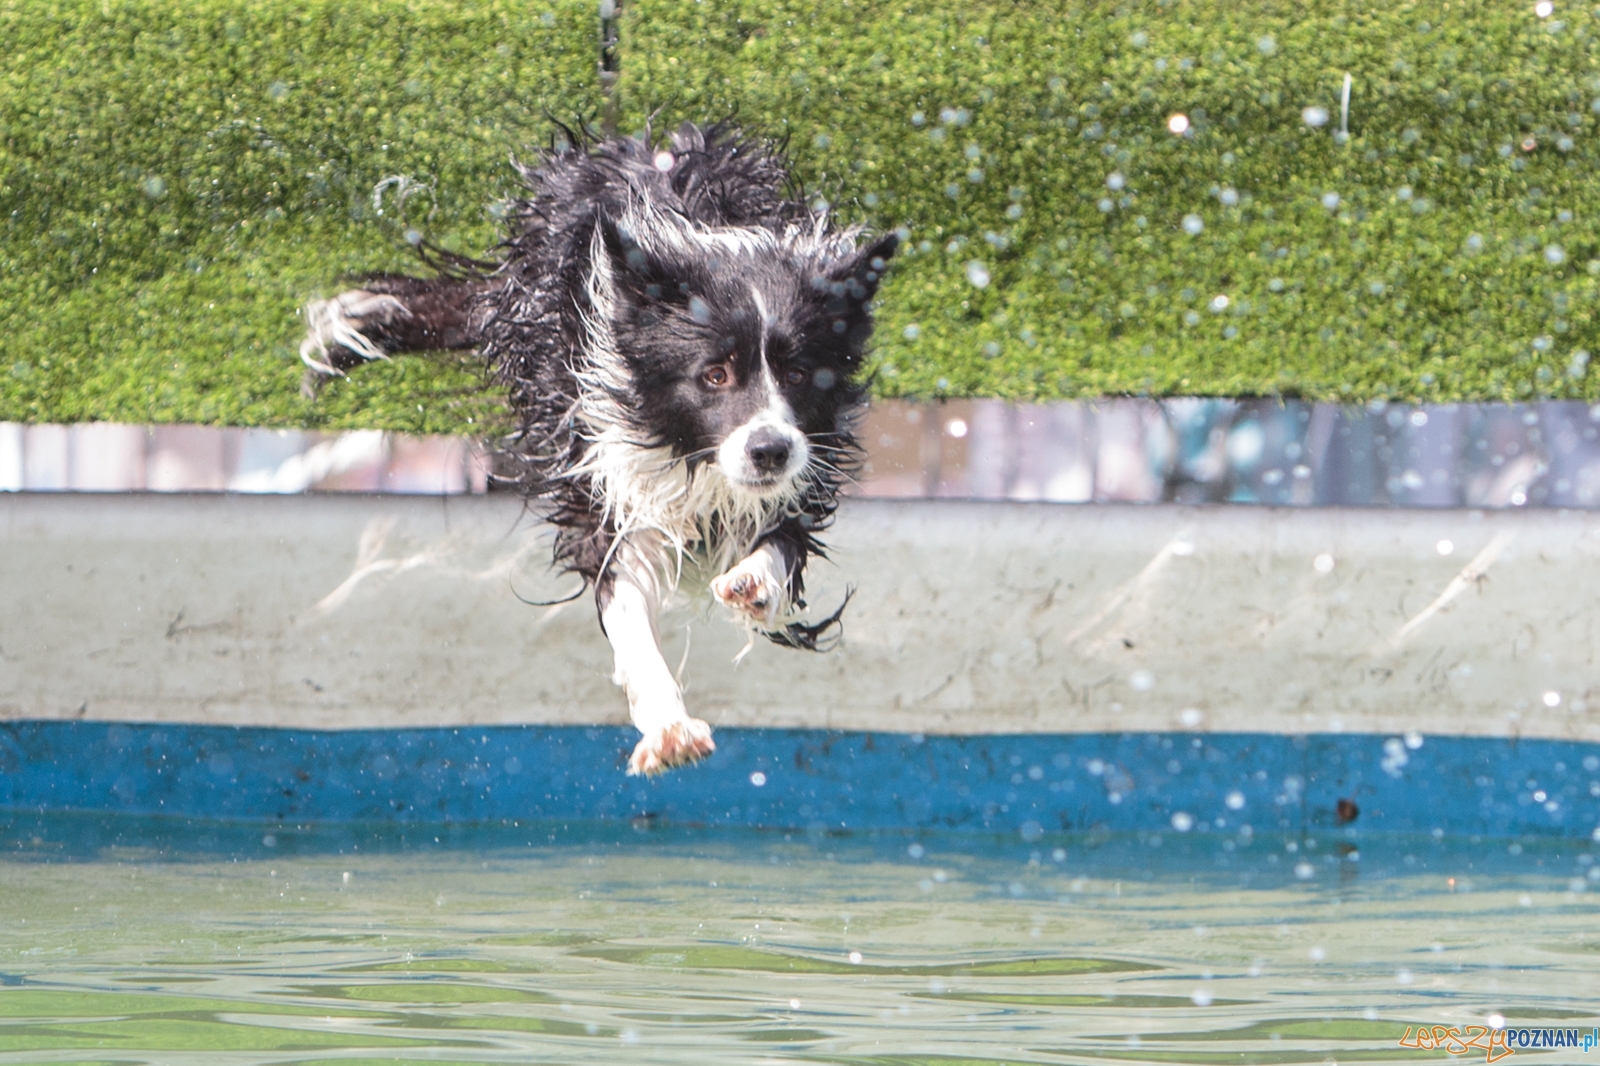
(346, 612)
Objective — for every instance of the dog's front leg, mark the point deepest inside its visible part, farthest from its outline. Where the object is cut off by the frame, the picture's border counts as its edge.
(757, 587)
(628, 606)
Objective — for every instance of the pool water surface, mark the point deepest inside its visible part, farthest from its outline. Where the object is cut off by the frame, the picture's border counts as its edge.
(149, 941)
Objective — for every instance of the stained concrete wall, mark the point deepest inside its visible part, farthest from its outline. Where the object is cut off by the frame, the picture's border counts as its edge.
(366, 611)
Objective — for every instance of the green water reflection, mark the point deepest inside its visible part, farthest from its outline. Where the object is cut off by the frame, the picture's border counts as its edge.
(747, 947)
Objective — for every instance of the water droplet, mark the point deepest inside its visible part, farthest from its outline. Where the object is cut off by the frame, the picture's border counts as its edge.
(1544, 9)
(1193, 225)
(1323, 564)
(1219, 304)
(1552, 699)
(758, 779)
(1444, 547)
(1317, 953)
(1555, 254)
(911, 332)
(855, 958)
(1182, 821)
(1266, 45)
(1115, 181)
(154, 187)
(1142, 680)
(1191, 717)
(978, 274)
(1031, 831)
(1304, 870)
(918, 118)
(956, 427)
(664, 161)
(1200, 997)
(1331, 200)
(1179, 123)
(1314, 116)
(1234, 800)
(699, 310)
(1229, 197)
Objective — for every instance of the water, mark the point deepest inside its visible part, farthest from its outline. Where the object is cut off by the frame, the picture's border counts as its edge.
(169, 942)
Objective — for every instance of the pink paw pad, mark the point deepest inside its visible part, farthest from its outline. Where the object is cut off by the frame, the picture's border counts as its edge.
(678, 744)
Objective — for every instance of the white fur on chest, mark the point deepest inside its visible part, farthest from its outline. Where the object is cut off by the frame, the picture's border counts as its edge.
(699, 519)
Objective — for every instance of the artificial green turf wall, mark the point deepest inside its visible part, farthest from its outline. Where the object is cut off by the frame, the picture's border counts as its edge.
(176, 179)
(1454, 264)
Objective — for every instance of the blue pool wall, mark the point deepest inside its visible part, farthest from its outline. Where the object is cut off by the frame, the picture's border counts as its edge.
(1033, 784)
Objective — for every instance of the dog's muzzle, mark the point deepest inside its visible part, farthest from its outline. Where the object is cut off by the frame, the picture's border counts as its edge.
(763, 457)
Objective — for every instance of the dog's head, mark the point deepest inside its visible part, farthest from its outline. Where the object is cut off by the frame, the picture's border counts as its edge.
(741, 348)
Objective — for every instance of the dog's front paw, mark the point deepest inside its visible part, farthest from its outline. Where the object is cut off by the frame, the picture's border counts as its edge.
(677, 744)
(751, 590)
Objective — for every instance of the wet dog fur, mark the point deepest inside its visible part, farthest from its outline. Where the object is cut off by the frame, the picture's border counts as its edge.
(681, 339)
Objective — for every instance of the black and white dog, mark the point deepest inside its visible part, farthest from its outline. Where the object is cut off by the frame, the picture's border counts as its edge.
(681, 340)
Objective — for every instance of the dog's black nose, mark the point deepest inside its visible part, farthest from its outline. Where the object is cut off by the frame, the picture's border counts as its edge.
(768, 451)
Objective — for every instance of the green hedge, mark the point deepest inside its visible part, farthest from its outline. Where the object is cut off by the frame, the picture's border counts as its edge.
(1429, 278)
(176, 179)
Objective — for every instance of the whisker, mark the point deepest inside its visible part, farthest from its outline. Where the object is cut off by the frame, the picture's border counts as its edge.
(843, 474)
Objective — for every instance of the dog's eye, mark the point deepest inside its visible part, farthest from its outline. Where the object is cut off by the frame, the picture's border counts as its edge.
(716, 376)
(795, 376)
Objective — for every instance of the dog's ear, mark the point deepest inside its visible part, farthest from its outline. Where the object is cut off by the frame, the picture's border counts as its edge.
(851, 283)
(844, 294)
(637, 275)
(862, 272)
